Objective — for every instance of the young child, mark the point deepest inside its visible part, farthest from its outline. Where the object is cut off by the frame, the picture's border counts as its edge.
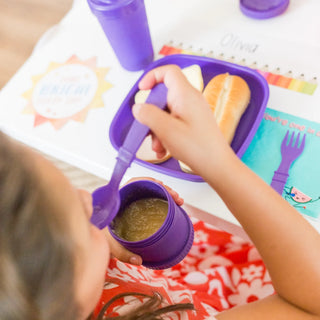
(53, 261)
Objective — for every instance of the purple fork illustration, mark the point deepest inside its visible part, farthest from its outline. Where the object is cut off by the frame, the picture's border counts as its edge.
(291, 149)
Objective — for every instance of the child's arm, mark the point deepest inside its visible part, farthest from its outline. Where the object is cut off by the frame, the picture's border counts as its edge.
(290, 247)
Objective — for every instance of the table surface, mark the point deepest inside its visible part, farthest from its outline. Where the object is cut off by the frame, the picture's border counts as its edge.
(221, 31)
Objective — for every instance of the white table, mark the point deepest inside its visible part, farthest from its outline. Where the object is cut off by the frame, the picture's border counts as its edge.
(207, 25)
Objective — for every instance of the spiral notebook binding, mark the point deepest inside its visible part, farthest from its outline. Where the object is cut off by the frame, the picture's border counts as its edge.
(275, 76)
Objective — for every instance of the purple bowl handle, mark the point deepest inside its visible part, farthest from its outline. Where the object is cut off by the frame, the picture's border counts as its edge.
(138, 131)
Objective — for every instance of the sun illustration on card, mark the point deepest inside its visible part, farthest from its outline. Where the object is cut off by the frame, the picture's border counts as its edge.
(66, 91)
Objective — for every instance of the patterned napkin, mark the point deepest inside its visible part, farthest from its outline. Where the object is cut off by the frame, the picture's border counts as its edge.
(263, 156)
(221, 271)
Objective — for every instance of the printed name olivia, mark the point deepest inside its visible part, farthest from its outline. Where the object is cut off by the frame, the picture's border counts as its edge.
(230, 40)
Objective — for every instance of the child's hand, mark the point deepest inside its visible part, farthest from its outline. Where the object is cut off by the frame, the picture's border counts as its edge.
(189, 131)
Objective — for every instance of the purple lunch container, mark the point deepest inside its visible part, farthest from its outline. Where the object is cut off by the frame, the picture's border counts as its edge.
(173, 240)
(210, 67)
(125, 24)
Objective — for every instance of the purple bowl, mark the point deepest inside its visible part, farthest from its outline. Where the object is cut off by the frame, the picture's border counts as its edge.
(248, 124)
(173, 240)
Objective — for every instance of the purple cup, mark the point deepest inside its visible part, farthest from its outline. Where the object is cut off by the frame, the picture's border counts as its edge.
(125, 24)
(172, 241)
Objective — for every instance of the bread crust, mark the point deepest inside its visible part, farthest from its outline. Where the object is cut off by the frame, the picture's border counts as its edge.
(228, 96)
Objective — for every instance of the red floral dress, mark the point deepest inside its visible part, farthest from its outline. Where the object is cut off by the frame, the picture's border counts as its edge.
(221, 271)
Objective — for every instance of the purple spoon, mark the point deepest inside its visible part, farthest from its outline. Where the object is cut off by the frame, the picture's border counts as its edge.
(106, 200)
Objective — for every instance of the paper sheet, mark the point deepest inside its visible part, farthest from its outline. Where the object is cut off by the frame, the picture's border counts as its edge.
(286, 43)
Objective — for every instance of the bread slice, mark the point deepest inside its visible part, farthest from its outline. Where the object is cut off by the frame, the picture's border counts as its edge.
(194, 76)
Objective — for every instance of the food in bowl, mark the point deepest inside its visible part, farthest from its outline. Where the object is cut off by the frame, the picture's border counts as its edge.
(140, 219)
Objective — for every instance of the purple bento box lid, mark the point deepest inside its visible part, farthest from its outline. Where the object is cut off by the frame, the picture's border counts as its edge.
(210, 67)
(266, 9)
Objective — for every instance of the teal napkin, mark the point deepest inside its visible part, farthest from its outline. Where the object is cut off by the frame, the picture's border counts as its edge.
(263, 156)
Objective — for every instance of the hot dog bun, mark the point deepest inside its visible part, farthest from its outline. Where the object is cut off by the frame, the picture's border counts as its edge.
(228, 96)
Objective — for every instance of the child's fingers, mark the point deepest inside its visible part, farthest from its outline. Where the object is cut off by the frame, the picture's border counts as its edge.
(174, 194)
(121, 253)
(182, 97)
(159, 121)
(167, 74)
(158, 147)
(173, 78)
(170, 130)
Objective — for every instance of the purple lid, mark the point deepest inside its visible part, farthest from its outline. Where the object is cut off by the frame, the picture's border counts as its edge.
(263, 9)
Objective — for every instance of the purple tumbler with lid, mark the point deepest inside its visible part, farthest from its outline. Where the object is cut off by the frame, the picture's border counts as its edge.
(172, 241)
(125, 24)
